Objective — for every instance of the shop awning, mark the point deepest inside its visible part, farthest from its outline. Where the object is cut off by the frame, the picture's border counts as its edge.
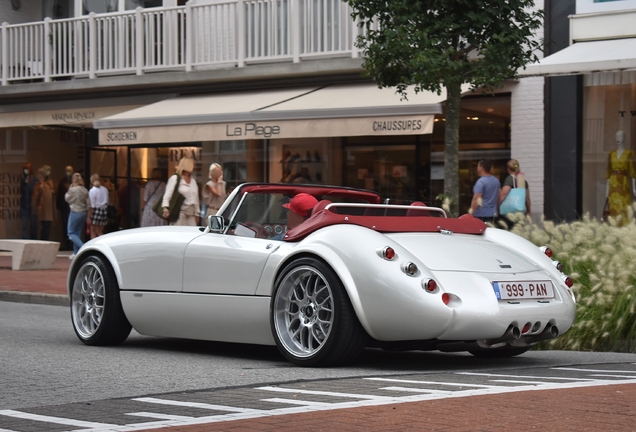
(331, 111)
(587, 57)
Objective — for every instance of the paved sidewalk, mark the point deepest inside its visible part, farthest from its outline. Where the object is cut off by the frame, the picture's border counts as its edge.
(35, 286)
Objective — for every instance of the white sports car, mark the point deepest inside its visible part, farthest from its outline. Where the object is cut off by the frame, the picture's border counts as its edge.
(357, 273)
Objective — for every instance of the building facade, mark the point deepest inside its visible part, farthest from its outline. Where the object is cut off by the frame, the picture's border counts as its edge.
(590, 134)
(271, 90)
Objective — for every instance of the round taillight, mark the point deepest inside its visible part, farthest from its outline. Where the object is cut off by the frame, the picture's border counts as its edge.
(388, 253)
(558, 265)
(446, 298)
(410, 268)
(546, 250)
(568, 281)
(429, 285)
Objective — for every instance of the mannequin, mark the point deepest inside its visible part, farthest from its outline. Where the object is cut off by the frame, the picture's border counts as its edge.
(44, 201)
(61, 203)
(620, 169)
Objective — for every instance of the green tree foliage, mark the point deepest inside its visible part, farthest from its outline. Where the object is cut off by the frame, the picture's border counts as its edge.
(446, 43)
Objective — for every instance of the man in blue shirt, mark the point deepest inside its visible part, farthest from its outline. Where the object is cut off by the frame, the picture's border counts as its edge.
(485, 193)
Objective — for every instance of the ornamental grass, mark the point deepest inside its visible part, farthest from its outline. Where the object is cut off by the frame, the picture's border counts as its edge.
(601, 259)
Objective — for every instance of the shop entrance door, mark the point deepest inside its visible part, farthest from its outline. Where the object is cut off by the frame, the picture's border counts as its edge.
(389, 170)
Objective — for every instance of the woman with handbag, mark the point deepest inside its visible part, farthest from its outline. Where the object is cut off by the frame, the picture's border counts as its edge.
(97, 213)
(154, 190)
(514, 196)
(181, 182)
(214, 191)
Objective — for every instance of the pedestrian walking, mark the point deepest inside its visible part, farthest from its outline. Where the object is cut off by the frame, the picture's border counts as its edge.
(485, 193)
(155, 188)
(190, 210)
(97, 212)
(214, 193)
(44, 201)
(27, 213)
(79, 203)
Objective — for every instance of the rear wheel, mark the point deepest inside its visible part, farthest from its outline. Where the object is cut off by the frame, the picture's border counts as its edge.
(96, 311)
(311, 316)
(502, 352)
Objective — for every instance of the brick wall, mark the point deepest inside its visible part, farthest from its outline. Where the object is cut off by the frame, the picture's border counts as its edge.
(527, 133)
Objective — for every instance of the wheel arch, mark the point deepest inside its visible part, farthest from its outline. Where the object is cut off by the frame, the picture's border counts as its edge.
(101, 251)
(331, 259)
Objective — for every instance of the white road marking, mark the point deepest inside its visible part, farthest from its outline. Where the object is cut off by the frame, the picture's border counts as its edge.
(614, 376)
(56, 420)
(523, 376)
(362, 401)
(593, 370)
(296, 402)
(322, 393)
(434, 383)
(195, 405)
(417, 390)
(520, 382)
(160, 416)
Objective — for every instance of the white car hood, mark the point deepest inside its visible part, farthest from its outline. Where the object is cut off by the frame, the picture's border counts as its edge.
(463, 252)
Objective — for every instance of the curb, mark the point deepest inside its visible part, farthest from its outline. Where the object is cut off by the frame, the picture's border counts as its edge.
(35, 298)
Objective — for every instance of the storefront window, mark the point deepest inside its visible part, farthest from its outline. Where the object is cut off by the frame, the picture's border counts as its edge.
(389, 170)
(609, 130)
(484, 133)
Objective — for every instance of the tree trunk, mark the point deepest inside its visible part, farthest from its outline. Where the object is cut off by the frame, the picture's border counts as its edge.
(451, 146)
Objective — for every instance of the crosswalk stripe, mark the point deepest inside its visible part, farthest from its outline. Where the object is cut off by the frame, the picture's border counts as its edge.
(56, 420)
(195, 405)
(160, 416)
(417, 390)
(522, 376)
(593, 370)
(520, 382)
(322, 393)
(614, 376)
(295, 402)
(453, 384)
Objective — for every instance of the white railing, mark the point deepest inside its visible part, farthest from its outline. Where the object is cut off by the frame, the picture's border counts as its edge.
(191, 37)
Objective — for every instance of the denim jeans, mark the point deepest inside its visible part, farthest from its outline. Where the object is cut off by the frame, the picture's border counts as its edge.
(76, 223)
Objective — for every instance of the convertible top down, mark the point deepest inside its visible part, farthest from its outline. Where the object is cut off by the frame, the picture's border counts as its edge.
(357, 273)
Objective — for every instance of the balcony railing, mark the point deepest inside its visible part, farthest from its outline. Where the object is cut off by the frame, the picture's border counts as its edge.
(192, 37)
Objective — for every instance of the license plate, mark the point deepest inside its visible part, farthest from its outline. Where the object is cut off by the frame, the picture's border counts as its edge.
(522, 290)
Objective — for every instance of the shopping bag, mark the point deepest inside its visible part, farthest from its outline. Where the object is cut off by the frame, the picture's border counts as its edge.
(174, 206)
(515, 202)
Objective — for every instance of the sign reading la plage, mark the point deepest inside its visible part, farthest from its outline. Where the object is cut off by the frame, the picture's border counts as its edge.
(305, 128)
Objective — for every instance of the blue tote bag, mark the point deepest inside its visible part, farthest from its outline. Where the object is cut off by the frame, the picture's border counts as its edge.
(515, 201)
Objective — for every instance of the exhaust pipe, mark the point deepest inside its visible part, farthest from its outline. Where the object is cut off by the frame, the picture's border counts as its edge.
(550, 332)
(512, 333)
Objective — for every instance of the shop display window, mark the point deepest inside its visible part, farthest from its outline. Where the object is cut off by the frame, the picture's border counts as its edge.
(609, 133)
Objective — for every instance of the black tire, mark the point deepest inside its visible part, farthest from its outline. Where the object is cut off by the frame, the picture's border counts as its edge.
(311, 316)
(502, 352)
(96, 312)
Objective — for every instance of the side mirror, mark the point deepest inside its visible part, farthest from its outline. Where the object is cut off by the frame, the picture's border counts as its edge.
(216, 224)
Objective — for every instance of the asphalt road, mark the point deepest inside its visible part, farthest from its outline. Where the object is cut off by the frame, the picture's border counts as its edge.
(43, 363)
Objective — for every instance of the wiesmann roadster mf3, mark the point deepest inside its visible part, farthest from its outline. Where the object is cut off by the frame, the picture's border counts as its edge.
(358, 273)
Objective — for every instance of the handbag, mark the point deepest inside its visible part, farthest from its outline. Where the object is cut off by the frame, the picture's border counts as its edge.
(606, 211)
(515, 201)
(111, 212)
(174, 206)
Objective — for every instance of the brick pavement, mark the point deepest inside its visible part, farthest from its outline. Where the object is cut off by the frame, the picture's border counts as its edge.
(607, 408)
(610, 408)
(34, 286)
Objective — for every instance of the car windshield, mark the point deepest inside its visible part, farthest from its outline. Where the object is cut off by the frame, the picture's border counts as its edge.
(262, 214)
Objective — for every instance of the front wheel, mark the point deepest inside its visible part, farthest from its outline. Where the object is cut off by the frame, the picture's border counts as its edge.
(96, 311)
(311, 316)
(502, 352)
